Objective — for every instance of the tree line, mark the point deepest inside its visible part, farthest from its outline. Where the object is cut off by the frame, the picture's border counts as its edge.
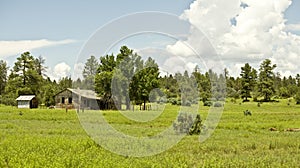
(27, 77)
(125, 78)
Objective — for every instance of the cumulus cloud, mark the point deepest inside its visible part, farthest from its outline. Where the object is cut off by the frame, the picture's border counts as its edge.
(293, 27)
(244, 31)
(10, 48)
(180, 48)
(62, 70)
(171, 63)
(59, 71)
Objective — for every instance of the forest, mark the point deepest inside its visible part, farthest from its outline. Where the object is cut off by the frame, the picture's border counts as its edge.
(127, 78)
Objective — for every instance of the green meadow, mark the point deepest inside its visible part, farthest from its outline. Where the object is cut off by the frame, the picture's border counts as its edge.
(55, 138)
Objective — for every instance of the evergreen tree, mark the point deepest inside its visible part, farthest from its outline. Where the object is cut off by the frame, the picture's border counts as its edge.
(89, 72)
(39, 66)
(3, 76)
(248, 79)
(128, 63)
(103, 79)
(266, 79)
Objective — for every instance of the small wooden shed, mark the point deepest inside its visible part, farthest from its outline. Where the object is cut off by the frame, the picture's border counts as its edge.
(27, 101)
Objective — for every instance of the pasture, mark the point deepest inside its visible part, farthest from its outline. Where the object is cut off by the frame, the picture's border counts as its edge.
(55, 138)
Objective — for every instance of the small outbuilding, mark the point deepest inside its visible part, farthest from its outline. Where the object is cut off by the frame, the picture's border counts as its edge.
(27, 101)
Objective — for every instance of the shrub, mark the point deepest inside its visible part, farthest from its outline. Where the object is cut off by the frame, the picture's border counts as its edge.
(208, 103)
(221, 99)
(218, 104)
(195, 101)
(173, 101)
(187, 103)
(187, 125)
(233, 100)
(297, 97)
(247, 112)
(162, 100)
(212, 99)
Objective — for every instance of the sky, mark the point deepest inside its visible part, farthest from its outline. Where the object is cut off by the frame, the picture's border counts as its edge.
(239, 31)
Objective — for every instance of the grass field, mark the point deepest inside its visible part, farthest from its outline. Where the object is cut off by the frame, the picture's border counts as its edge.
(54, 138)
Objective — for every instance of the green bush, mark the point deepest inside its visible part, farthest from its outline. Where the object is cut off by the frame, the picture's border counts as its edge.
(162, 100)
(208, 103)
(218, 104)
(187, 103)
(195, 101)
(297, 97)
(247, 112)
(172, 101)
(187, 125)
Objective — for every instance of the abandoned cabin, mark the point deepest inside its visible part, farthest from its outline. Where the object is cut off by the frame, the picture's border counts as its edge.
(80, 99)
(27, 101)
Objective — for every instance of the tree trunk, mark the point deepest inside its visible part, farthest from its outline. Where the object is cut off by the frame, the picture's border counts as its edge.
(127, 103)
(144, 105)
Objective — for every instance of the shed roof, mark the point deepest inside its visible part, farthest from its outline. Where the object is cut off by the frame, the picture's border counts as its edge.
(25, 97)
(90, 94)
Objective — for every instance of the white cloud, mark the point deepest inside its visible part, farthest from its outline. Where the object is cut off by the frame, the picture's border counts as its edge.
(62, 70)
(260, 32)
(59, 71)
(10, 48)
(180, 48)
(170, 63)
(293, 27)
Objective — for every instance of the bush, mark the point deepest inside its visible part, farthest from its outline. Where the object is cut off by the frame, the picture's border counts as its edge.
(187, 103)
(195, 101)
(172, 101)
(221, 99)
(162, 100)
(247, 112)
(297, 97)
(212, 99)
(187, 125)
(9, 99)
(218, 104)
(208, 103)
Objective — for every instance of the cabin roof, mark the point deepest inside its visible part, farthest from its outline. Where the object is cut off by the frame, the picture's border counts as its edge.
(90, 94)
(25, 97)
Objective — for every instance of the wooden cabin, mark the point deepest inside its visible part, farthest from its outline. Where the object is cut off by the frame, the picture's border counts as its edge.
(27, 101)
(77, 98)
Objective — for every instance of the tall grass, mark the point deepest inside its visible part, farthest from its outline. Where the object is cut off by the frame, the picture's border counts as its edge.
(55, 138)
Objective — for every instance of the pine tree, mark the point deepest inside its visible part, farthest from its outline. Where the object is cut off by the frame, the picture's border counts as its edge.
(248, 79)
(3, 76)
(89, 72)
(266, 82)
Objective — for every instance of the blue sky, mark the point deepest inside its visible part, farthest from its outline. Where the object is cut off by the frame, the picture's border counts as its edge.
(59, 20)
(67, 25)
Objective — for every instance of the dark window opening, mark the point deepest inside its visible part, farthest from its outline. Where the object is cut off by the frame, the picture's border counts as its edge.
(63, 100)
(70, 100)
